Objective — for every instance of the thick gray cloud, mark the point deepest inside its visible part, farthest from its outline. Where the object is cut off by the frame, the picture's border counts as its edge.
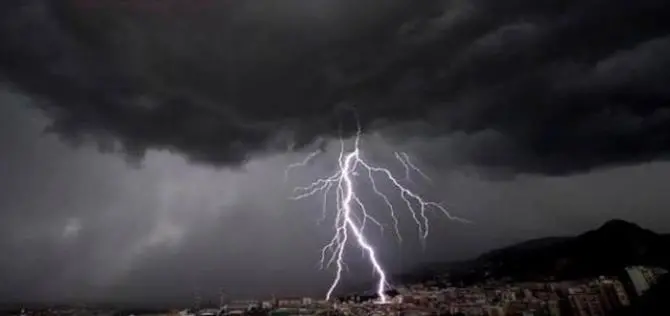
(568, 85)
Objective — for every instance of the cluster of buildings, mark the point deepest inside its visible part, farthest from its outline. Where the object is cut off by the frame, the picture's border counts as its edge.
(593, 297)
(277, 307)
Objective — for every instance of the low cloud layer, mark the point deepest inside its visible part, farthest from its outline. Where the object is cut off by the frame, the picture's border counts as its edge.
(554, 87)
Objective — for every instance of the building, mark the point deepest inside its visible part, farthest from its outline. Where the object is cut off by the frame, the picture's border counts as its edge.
(240, 306)
(290, 302)
(641, 277)
(209, 312)
(612, 294)
(554, 305)
(586, 304)
(496, 310)
(508, 295)
(658, 272)
(307, 301)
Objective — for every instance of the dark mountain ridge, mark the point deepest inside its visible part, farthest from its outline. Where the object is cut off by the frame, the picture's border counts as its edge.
(603, 251)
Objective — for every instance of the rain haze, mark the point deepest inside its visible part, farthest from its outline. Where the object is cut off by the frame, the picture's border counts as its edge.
(144, 144)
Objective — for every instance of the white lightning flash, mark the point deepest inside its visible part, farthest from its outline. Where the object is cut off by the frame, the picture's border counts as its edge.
(352, 215)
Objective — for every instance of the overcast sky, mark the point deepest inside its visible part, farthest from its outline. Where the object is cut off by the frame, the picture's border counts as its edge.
(144, 145)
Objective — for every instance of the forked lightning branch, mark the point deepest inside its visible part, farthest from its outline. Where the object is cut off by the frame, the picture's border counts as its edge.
(352, 215)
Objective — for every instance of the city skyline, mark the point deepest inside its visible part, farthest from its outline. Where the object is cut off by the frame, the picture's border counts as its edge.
(604, 295)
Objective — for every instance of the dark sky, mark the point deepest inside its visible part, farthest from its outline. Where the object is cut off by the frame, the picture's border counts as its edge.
(144, 143)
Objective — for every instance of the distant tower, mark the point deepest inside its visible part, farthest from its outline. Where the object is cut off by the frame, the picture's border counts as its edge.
(198, 301)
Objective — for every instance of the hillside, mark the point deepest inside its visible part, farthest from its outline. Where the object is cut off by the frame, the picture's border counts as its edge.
(606, 250)
(530, 245)
(603, 251)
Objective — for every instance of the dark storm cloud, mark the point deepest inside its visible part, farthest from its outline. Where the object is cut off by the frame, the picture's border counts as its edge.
(562, 86)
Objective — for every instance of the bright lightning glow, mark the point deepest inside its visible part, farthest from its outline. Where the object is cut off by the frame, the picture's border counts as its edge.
(351, 213)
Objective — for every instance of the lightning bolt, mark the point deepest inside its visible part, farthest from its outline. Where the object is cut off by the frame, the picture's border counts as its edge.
(352, 215)
(303, 163)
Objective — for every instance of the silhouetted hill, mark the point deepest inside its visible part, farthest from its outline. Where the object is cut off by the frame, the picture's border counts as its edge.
(603, 251)
(606, 250)
(526, 246)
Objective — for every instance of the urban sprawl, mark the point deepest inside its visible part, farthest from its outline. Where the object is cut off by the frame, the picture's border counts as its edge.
(591, 297)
